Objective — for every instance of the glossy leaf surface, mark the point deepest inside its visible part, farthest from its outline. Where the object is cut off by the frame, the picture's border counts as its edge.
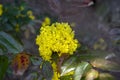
(9, 43)
(80, 70)
(3, 66)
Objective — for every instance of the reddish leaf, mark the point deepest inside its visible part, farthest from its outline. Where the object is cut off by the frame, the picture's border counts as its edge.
(20, 63)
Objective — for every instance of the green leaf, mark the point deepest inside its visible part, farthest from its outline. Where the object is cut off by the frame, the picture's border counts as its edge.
(68, 65)
(92, 55)
(80, 70)
(40, 77)
(32, 76)
(68, 77)
(99, 58)
(6, 27)
(3, 66)
(47, 70)
(36, 60)
(2, 49)
(10, 43)
(1, 52)
(105, 65)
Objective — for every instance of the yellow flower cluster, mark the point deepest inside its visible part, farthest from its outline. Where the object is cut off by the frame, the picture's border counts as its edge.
(56, 75)
(57, 37)
(1, 9)
(30, 14)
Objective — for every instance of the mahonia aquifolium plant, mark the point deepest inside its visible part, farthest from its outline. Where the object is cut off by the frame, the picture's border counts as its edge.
(58, 38)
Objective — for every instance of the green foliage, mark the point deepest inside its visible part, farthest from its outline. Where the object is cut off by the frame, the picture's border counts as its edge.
(47, 70)
(36, 60)
(3, 66)
(32, 76)
(93, 54)
(105, 64)
(80, 70)
(15, 16)
(98, 58)
(8, 44)
(68, 77)
(72, 64)
(68, 65)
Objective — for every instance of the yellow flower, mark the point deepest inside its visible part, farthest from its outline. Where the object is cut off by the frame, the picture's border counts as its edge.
(1, 9)
(17, 28)
(46, 21)
(30, 14)
(57, 37)
(21, 8)
(56, 75)
(32, 17)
